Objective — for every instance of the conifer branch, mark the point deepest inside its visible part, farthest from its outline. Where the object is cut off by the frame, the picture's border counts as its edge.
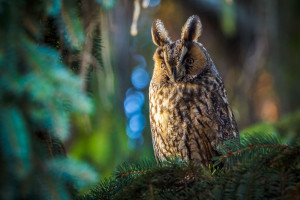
(251, 147)
(132, 173)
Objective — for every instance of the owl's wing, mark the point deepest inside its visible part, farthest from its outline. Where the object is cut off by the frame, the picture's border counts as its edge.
(155, 132)
(224, 122)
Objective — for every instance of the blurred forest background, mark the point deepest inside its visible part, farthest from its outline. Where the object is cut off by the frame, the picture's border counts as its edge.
(96, 55)
(254, 44)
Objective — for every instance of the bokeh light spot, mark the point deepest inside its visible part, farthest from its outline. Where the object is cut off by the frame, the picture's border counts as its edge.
(140, 78)
(132, 134)
(137, 122)
(154, 3)
(133, 102)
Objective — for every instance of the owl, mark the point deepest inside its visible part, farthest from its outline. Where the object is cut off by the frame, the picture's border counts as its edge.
(189, 111)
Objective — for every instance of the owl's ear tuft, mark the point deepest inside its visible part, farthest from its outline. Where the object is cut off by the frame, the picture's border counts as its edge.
(192, 29)
(160, 35)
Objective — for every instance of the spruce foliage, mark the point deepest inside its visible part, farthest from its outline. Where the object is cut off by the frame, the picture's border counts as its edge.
(38, 92)
(262, 165)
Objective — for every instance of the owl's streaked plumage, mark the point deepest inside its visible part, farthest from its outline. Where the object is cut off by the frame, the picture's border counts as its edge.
(189, 112)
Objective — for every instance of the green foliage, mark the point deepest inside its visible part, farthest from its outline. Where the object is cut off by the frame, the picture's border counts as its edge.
(105, 146)
(78, 173)
(38, 93)
(262, 165)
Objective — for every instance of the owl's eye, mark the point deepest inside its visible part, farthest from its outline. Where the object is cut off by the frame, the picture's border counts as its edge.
(162, 64)
(189, 60)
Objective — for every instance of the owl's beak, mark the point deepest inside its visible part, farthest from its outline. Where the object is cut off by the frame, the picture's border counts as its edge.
(171, 70)
(174, 74)
(179, 73)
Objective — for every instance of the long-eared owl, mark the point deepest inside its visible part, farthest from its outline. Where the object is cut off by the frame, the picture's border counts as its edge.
(189, 112)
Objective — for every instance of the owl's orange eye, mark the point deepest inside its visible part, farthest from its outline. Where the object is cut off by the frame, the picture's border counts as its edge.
(189, 60)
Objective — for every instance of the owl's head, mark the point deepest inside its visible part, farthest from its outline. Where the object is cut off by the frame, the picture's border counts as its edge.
(180, 61)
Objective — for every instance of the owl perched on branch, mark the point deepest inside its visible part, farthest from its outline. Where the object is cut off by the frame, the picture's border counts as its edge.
(189, 112)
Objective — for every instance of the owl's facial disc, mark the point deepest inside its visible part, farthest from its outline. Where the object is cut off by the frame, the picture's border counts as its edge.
(183, 61)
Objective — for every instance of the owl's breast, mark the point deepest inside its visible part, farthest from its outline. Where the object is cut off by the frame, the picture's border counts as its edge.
(177, 113)
(174, 109)
(160, 109)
